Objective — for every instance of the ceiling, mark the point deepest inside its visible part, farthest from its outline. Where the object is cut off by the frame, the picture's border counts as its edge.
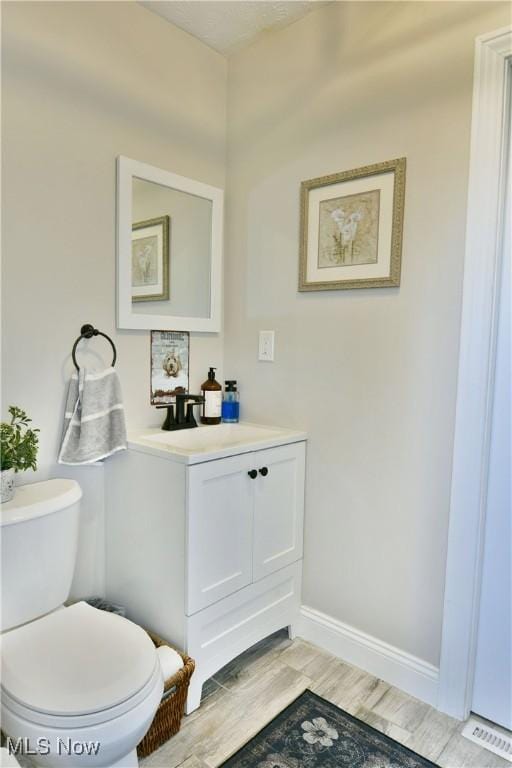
(228, 25)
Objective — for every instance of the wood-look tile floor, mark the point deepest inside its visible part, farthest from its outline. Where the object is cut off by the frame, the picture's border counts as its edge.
(252, 689)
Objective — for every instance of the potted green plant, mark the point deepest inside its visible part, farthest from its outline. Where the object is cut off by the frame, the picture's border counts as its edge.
(18, 444)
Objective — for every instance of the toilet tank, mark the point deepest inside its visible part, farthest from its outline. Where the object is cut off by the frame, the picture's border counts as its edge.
(39, 532)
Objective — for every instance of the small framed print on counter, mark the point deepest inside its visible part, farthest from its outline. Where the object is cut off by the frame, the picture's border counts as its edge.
(169, 365)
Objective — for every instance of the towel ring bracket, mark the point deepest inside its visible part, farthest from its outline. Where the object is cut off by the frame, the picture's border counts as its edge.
(87, 331)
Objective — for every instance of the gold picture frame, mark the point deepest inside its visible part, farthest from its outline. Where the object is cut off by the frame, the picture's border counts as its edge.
(150, 259)
(351, 228)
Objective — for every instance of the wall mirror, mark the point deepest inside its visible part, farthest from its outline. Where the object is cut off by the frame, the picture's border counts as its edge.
(169, 250)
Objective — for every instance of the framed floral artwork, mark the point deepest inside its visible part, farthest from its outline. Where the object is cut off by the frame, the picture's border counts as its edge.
(351, 228)
(150, 259)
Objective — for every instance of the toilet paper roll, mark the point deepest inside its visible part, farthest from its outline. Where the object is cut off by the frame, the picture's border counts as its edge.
(170, 661)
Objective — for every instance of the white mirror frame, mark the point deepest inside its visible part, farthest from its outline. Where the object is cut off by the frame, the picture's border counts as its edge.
(127, 169)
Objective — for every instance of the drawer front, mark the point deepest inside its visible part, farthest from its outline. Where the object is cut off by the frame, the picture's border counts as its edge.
(221, 632)
(278, 508)
(219, 530)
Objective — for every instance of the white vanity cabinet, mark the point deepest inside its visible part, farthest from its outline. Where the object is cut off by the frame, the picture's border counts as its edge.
(207, 553)
(239, 528)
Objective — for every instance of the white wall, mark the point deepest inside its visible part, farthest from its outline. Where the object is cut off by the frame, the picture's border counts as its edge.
(371, 374)
(83, 82)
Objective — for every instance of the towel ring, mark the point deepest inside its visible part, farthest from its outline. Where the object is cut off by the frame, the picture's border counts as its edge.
(87, 331)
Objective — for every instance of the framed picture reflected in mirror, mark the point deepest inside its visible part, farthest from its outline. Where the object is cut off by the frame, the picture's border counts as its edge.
(150, 259)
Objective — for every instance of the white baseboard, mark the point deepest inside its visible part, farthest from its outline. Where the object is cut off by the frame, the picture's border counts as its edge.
(412, 675)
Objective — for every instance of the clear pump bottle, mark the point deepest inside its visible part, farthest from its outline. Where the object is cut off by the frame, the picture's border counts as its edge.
(230, 403)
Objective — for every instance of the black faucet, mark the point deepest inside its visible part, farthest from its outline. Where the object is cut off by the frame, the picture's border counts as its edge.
(182, 420)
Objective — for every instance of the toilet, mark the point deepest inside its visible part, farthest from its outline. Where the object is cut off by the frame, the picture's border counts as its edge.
(79, 686)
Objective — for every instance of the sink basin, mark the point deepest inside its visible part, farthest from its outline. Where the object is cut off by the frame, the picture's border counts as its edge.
(205, 443)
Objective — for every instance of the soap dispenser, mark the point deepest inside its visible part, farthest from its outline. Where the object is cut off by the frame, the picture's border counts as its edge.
(212, 393)
(230, 403)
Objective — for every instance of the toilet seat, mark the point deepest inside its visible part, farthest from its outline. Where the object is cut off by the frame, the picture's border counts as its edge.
(47, 720)
(115, 732)
(77, 666)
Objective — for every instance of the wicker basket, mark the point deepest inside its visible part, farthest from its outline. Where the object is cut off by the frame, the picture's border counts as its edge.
(167, 720)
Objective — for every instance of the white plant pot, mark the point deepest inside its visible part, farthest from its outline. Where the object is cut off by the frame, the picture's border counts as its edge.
(6, 485)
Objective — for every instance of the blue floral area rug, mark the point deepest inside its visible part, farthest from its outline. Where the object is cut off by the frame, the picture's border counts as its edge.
(311, 732)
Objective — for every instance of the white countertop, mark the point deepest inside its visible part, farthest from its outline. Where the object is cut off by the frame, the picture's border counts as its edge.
(205, 443)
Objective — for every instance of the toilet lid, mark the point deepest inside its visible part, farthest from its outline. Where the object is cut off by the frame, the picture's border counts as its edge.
(76, 661)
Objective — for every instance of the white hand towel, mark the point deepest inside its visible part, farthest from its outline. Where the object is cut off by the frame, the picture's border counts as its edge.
(94, 425)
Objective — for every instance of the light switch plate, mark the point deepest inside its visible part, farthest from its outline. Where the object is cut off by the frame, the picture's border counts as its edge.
(266, 346)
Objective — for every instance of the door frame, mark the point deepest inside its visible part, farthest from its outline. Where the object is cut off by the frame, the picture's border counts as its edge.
(487, 176)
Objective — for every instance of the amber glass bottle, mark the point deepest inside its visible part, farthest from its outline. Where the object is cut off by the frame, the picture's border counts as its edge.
(212, 393)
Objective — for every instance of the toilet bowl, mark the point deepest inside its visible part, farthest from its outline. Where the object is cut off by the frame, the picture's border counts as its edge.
(79, 686)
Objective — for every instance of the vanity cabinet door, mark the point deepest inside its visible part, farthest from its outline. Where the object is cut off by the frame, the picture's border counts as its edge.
(219, 530)
(278, 508)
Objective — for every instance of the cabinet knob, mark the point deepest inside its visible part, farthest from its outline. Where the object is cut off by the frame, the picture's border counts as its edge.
(252, 474)
(264, 471)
